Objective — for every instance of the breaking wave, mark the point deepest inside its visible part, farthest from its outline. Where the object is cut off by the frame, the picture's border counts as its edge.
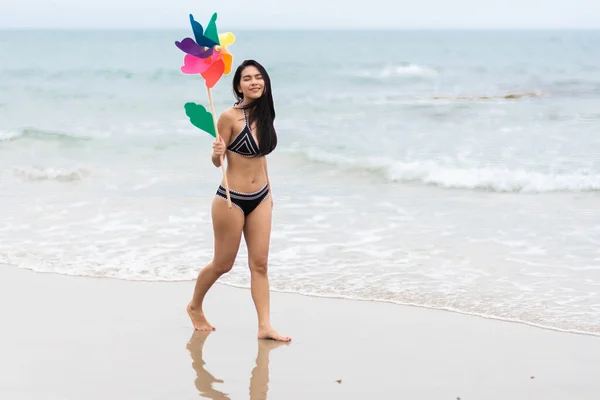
(50, 174)
(435, 173)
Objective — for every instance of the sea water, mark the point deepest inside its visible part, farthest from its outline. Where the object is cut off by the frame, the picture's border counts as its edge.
(458, 170)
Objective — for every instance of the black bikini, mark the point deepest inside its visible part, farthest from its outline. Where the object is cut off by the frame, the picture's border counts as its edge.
(247, 202)
(245, 145)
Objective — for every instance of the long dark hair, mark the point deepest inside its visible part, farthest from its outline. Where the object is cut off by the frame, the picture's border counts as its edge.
(262, 109)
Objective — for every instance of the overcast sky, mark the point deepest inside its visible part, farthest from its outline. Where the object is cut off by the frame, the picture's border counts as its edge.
(276, 14)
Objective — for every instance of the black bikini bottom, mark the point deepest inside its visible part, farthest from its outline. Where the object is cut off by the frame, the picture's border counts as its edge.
(247, 202)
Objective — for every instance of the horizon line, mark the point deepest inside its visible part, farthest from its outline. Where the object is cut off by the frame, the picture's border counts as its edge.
(313, 29)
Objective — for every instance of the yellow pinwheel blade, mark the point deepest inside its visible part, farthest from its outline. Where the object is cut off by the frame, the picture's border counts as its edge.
(226, 39)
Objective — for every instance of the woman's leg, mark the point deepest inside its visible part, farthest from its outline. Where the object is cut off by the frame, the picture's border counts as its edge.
(227, 225)
(257, 233)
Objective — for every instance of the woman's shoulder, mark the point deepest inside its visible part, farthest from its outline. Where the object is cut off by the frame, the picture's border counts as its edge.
(228, 114)
(233, 114)
(233, 111)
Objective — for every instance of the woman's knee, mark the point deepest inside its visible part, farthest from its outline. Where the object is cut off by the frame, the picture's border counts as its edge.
(222, 266)
(258, 265)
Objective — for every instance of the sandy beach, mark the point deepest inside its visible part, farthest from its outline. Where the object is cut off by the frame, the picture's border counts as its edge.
(83, 338)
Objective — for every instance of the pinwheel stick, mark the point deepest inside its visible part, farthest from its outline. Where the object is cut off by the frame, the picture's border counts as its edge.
(212, 110)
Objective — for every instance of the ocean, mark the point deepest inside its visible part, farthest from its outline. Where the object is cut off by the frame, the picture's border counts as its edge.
(456, 170)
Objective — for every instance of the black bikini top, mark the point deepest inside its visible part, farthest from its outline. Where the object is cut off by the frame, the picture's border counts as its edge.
(244, 143)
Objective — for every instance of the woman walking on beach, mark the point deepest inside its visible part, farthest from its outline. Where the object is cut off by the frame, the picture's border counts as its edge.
(246, 136)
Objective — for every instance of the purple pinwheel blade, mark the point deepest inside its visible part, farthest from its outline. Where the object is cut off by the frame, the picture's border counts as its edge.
(188, 46)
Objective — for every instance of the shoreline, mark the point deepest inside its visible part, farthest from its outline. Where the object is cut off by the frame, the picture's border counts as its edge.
(72, 337)
(337, 297)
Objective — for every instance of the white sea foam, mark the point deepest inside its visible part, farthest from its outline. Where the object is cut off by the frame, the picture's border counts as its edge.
(9, 135)
(449, 176)
(30, 173)
(398, 71)
(340, 251)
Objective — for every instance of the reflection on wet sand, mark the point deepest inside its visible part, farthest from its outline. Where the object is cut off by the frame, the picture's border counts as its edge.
(259, 378)
(204, 379)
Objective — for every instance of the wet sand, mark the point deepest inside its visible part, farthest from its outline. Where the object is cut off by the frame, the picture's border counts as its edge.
(84, 338)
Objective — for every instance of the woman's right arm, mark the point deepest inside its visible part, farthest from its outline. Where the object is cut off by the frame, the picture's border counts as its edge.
(224, 126)
(218, 151)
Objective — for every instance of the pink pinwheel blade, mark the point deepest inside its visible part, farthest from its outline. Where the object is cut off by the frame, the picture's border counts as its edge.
(194, 65)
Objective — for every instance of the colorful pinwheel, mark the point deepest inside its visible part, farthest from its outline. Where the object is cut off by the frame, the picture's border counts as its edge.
(207, 56)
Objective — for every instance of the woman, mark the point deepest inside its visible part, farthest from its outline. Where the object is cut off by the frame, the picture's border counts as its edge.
(246, 136)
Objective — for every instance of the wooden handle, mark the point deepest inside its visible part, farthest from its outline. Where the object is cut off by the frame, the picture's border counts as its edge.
(212, 110)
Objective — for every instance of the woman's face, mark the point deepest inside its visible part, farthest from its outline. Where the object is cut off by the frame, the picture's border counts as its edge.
(251, 84)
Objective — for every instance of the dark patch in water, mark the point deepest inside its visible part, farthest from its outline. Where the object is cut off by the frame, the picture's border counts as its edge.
(39, 134)
(510, 96)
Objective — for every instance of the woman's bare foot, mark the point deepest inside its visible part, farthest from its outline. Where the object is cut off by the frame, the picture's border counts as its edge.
(199, 320)
(270, 333)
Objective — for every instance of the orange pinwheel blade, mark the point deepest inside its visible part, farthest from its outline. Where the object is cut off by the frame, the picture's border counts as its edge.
(227, 61)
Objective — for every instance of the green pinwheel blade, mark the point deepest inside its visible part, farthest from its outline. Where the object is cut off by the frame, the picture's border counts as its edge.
(200, 118)
(211, 31)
